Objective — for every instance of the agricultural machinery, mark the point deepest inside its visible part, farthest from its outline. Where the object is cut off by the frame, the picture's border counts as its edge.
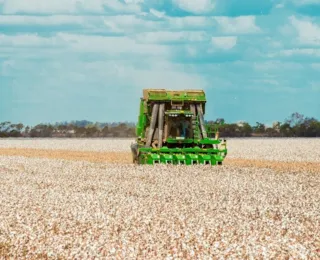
(171, 130)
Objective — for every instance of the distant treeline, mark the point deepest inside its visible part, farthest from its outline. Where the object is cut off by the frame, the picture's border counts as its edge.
(296, 125)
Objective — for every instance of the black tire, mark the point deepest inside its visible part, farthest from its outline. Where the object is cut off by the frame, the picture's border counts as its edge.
(134, 151)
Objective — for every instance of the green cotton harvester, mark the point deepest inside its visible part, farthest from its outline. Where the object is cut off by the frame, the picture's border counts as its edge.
(171, 130)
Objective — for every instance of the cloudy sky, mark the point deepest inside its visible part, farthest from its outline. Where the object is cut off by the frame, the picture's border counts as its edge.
(90, 59)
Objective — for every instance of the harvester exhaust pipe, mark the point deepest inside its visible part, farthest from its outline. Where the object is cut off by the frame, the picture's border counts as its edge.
(155, 110)
(200, 113)
(193, 109)
(160, 125)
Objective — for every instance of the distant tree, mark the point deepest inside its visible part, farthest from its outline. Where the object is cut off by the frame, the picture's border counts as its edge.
(131, 132)
(5, 129)
(27, 131)
(92, 131)
(62, 128)
(294, 126)
(295, 119)
(19, 127)
(42, 130)
(271, 132)
(246, 129)
(228, 130)
(259, 128)
(276, 126)
(312, 127)
(5, 126)
(115, 133)
(286, 130)
(105, 131)
(80, 131)
(219, 121)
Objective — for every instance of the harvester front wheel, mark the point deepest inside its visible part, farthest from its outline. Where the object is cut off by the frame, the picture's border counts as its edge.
(134, 151)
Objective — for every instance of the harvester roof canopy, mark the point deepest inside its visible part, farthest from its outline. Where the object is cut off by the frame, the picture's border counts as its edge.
(174, 95)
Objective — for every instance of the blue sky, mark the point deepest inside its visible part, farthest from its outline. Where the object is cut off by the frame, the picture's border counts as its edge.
(90, 59)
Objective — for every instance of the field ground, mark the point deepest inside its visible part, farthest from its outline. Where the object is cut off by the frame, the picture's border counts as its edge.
(81, 198)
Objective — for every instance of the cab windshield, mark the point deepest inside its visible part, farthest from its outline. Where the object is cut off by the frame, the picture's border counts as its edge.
(179, 126)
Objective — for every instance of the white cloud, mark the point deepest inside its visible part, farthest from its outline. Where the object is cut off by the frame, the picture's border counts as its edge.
(192, 51)
(298, 3)
(315, 86)
(190, 22)
(167, 36)
(165, 74)
(68, 6)
(129, 23)
(275, 44)
(116, 46)
(6, 67)
(276, 65)
(225, 43)
(131, 6)
(126, 23)
(266, 81)
(305, 2)
(157, 13)
(197, 7)
(28, 40)
(134, 1)
(73, 81)
(111, 45)
(308, 32)
(44, 20)
(123, 73)
(38, 6)
(287, 31)
(315, 66)
(291, 52)
(102, 24)
(238, 25)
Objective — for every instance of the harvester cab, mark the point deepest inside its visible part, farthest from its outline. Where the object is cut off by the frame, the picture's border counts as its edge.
(171, 129)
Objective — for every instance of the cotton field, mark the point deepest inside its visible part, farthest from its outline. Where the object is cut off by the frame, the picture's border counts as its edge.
(286, 149)
(82, 198)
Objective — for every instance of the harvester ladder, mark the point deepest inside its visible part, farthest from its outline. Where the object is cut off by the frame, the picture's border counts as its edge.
(196, 128)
